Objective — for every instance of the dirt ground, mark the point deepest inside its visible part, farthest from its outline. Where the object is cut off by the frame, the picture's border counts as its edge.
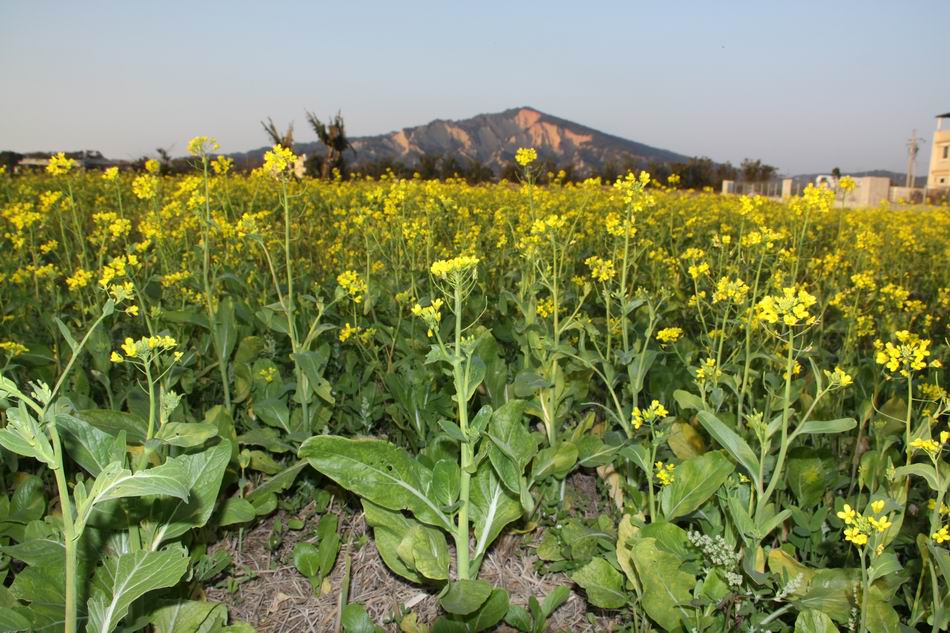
(278, 599)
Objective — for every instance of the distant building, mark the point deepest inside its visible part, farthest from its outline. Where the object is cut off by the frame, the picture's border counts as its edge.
(86, 159)
(938, 177)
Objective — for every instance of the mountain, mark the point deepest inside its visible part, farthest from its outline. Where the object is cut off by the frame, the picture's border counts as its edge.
(492, 139)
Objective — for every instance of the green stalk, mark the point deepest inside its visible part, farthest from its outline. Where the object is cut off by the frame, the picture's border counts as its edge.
(786, 415)
(70, 537)
(206, 279)
(461, 388)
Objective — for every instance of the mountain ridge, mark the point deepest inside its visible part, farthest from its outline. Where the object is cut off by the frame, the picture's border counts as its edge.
(492, 140)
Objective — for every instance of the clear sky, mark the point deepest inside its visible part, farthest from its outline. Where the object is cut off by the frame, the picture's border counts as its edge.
(803, 85)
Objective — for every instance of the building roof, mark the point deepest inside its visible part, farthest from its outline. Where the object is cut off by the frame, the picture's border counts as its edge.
(945, 115)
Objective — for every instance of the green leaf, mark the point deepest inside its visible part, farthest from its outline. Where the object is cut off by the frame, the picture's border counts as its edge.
(67, 335)
(603, 584)
(696, 480)
(490, 613)
(124, 578)
(825, 426)
(38, 552)
(189, 616)
(307, 559)
(684, 441)
(12, 621)
(492, 507)
(22, 435)
(44, 588)
(593, 451)
(277, 483)
(666, 588)
(809, 472)
(925, 471)
(114, 422)
(553, 601)
(236, 510)
(882, 617)
(186, 434)
(475, 375)
(313, 365)
(687, 400)
(462, 597)
(355, 620)
(814, 621)
(425, 550)
(171, 518)
(115, 482)
(512, 445)
(730, 440)
(378, 471)
(389, 528)
(556, 461)
(274, 412)
(92, 448)
(446, 480)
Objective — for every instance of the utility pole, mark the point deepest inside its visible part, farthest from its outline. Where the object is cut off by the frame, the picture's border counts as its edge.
(913, 146)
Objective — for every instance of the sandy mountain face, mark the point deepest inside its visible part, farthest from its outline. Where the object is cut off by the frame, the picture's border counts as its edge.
(492, 139)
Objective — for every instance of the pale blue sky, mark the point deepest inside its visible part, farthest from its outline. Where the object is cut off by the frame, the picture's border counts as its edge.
(803, 85)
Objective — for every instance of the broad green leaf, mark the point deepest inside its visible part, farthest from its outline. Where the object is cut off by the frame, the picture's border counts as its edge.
(684, 441)
(512, 445)
(603, 584)
(462, 597)
(666, 589)
(355, 620)
(274, 413)
(186, 434)
(593, 451)
(113, 422)
(236, 510)
(313, 364)
(170, 518)
(425, 550)
(39, 552)
(730, 440)
(554, 600)
(556, 461)
(882, 617)
(92, 448)
(825, 426)
(22, 435)
(189, 616)
(492, 507)
(11, 620)
(277, 483)
(115, 482)
(124, 578)
(696, 480)
(389, 528)
(925, 471)
(687, 400)
(474, 376)
(490, 613)
(44, 588)
(307, 559)
(378, 471)
(831, 591)
(446, 477)
(808, 473)
(814, 621)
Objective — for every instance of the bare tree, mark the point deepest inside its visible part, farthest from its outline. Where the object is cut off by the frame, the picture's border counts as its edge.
(333, 136)
(285, 140)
